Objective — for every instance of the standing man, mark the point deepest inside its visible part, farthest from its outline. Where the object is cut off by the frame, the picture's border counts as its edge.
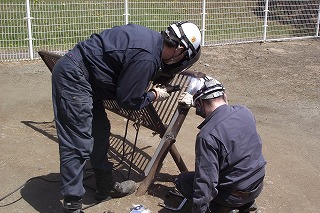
(117, 64)
(229, 165)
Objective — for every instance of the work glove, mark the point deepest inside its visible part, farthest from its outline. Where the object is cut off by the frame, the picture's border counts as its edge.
(161, 93)
(185, 98)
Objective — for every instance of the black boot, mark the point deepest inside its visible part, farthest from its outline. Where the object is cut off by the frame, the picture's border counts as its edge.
(72, 204)
(104, 184)
(107, 188)
(249, 207)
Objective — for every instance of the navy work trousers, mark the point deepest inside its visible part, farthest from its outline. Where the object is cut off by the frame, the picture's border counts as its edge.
(184, 183)
(82, 125)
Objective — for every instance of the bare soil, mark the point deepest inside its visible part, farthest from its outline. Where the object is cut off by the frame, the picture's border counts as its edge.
(278, 81)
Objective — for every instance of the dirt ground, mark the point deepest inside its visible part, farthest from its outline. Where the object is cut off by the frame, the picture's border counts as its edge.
(278, 81)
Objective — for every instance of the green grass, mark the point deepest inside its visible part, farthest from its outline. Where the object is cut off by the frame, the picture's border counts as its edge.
(58, 25)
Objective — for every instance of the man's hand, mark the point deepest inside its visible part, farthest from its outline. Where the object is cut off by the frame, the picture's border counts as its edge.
(186, 98)
(161, 93)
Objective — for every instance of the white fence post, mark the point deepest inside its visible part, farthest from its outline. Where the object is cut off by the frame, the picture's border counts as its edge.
(318, 22)
(126, 14)
(29, 29)
(265, 25)
(203, 22)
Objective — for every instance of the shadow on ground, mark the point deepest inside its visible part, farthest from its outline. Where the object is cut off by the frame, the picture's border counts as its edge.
(43, 192)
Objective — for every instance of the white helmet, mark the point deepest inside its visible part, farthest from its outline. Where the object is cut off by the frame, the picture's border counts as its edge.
(211, 88)
(186, 34)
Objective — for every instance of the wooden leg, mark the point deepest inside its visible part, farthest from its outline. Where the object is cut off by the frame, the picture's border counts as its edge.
(168, 142)
(178, 159)
(149, 178)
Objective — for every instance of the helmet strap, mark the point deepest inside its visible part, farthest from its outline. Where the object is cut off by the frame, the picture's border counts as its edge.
(185, 38)
(199, 108)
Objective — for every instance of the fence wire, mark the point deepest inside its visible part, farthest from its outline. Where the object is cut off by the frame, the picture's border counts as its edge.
(57, 25)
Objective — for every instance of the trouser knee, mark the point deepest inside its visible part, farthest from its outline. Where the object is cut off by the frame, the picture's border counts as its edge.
(184, 184)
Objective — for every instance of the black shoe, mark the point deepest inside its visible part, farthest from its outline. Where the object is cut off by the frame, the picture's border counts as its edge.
(104, 184)
(72, 204)
(107, 188)
(249, 207)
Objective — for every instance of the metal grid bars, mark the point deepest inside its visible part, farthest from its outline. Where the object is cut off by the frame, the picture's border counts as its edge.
(61, 26)
(13, 42)
(158, 115)
(159, 14)
(293, 19)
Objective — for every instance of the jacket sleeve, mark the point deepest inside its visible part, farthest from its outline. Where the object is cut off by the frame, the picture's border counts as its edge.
(206, 175)
(133, 82)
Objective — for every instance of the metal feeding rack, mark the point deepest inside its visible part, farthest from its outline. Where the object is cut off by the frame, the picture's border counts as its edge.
(164, 118)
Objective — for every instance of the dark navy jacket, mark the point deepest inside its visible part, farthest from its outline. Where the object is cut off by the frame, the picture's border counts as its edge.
(121, 62)
(228, 154)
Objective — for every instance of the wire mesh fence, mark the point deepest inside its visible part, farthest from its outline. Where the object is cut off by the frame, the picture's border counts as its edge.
(57, 25)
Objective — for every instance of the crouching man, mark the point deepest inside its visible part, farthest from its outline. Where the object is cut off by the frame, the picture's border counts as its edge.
(229, 165)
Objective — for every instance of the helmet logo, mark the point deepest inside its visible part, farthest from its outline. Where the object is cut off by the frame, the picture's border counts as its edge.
(193, 39)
